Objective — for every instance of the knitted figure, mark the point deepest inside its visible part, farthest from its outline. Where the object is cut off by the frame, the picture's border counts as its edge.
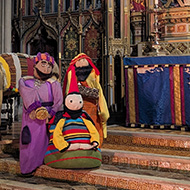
(42, 98)
(87, 75)
(74, 140)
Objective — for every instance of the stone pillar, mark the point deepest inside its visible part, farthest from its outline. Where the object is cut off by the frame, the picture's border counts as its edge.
(5, 26)
(110, 32)
(127, 29)
(1, 26)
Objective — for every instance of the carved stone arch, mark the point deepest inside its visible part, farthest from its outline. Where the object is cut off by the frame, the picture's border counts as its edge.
(66, 27)
(70, 42)
(40, 37)
(92, 42)
(181, 3)
(88, 25)
(116, 46)
(118, 52)
(65, 56)
(29, 33)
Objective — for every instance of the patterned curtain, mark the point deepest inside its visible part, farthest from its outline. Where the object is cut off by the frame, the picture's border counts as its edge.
(158, 90)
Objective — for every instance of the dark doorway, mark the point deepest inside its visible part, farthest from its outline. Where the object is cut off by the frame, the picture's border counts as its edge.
(15, 41)
(117, 113)
(118, 83)
(43, 43)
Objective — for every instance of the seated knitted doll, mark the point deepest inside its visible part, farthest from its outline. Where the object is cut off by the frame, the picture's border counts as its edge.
(74, 140)
(83, 70)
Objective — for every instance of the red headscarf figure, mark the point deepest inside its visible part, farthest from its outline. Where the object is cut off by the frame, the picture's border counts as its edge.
(85, 75)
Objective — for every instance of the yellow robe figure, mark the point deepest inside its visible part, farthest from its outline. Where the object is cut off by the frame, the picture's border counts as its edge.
(96, 108)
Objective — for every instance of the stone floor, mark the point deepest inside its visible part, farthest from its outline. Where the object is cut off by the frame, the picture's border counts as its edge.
(8, 181)
(12, 182)
(135, 129)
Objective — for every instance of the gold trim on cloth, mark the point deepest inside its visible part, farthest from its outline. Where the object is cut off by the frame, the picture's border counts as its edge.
(131, 87)
(177, 95)
(7, 71)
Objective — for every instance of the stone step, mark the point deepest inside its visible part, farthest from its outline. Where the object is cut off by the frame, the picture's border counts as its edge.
(124, 138)
(16, 182)
(142, 160)
(15, 185)
(103, 176)
(152, 150)
(154, 158)
(131, 160)
(135, 141)
(149, 161)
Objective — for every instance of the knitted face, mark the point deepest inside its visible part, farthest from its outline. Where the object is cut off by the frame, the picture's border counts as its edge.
(74, 101)
(82, 63)
(43, 70)
(83, 69)
(44, 66)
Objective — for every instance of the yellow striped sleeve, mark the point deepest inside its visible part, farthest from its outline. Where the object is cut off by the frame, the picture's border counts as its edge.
(58, 139)
(93, 131)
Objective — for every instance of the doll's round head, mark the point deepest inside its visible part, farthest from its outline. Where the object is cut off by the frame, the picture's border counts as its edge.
(74, 101)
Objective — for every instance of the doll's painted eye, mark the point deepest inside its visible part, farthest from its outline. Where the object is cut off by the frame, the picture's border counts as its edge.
(80, 102)
(71, 101)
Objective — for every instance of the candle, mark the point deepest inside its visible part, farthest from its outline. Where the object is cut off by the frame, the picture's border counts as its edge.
(21, 4)
(156, 2)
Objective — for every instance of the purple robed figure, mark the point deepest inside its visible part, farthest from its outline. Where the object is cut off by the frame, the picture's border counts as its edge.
(40, 91)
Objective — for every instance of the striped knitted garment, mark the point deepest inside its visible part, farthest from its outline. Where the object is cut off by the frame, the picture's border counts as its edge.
(74, 131)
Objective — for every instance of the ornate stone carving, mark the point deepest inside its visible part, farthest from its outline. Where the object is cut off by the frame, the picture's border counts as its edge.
(118, 46)
(170, 48)
(171, 3)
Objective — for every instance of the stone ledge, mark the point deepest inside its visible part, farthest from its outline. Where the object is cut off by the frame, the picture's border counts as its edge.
(146, 160)
(100, 177)
(14, 185)
(148, 139)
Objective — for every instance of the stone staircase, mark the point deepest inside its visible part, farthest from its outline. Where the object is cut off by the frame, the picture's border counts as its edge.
(133, 159)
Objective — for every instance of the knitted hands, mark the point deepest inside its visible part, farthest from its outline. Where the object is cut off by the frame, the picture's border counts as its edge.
(80, 146)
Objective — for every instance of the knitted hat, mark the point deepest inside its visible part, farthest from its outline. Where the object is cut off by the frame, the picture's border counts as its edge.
(44, 56)
(74, 86)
